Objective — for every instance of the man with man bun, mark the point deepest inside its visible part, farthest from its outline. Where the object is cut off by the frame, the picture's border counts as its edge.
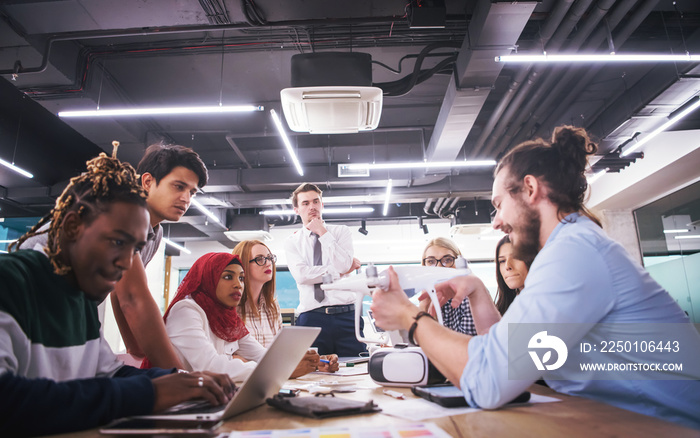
(581, 283)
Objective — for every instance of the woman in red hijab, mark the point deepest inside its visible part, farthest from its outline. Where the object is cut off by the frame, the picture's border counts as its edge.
(203, 325)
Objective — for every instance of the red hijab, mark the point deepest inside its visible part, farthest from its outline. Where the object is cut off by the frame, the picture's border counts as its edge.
(200, 283)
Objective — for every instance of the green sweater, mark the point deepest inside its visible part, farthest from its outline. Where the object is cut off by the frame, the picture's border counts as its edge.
(57, 373)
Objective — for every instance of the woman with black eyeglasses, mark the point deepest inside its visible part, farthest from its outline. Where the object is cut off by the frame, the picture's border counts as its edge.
(259, 307)
(443, 252)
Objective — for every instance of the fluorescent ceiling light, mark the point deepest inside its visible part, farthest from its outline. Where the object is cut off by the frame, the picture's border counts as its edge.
(326, 211)
(693, 236)
(684, 230)
(8, 241)
(593, 57)
(162, 111)
(675, 119)
(386, 198)
(211, 200)
(204, 210)
(596, 176)
(176, 246)
(419, 165)
(241, 235)
(16, 169)
(285, 139)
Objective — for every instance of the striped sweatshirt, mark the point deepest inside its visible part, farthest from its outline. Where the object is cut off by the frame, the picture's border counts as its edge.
(57, 372)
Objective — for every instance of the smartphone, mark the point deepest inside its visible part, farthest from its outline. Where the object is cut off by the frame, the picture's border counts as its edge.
(445, 395)
(450, 396)
(136, 426)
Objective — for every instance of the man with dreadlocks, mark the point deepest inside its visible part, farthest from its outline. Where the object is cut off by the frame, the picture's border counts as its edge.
(55, 366)
(170, 176)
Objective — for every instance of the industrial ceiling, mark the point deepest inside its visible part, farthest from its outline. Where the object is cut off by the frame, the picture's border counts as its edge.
(445, 97)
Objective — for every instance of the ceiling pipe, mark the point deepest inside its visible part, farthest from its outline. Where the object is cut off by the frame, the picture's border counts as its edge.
(170, 30)
(437, 205)
(558, 39)
(548, 85)
(550, 26)
(447, 206)
(638, 16)
(426, 207)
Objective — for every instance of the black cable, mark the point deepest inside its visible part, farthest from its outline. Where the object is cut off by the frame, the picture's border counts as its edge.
(405, 84)
(405, 57)
(253, 14)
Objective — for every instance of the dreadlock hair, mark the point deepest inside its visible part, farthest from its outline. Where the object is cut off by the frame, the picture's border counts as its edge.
(106, 181)
(244, 250)
(560, 163)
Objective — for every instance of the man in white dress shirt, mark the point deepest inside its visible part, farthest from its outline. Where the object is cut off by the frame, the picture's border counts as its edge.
(314, 250)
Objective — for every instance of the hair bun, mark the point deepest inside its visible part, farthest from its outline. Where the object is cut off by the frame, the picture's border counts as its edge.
(573, 143)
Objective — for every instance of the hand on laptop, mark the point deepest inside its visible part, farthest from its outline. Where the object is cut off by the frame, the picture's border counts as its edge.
(331, 366)
(175, 388)
(308, 364)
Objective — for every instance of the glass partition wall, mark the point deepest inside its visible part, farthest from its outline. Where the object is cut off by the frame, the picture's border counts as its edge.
(669, 236)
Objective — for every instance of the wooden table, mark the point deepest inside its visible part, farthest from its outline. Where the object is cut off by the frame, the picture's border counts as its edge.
(570, 418)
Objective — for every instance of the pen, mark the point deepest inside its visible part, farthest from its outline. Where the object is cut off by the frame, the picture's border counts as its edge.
(324, 361)
(346, 364)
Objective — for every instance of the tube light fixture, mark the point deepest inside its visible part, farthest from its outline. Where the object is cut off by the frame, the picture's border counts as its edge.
(419, 165)
(326, 211)
(386, 198)
(163, 111)
(690, 236)
(207, 212)
(597, 57)
(682, 230)
(675, 119)
(16, 169)
(285, 140)
(176, 246)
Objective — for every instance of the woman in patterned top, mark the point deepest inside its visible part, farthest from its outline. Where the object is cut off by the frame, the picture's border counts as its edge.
(443, 252)
(259, 307)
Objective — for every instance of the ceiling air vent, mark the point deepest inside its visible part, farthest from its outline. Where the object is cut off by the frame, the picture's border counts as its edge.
(332, 110)
(345, 172)
(332, 94)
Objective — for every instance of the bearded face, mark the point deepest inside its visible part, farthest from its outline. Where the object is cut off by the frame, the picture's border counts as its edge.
(525, 232)
(516, 218)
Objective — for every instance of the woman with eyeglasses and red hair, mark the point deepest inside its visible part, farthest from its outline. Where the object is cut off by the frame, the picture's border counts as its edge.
(259, 308)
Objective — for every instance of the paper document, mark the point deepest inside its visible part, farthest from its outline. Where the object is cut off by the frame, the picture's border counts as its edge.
(423, 430)
(419, 409)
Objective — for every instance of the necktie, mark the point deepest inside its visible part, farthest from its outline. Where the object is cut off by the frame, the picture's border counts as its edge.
(319, 294)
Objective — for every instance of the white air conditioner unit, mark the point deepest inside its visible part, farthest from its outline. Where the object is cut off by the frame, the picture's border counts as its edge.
(332, 110)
